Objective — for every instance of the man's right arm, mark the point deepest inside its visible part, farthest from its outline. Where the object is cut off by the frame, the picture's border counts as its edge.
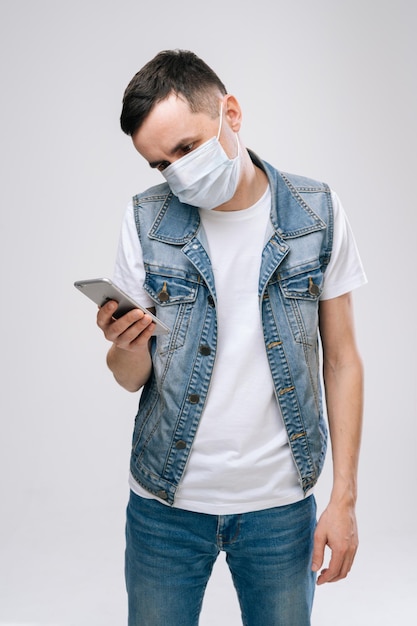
(129, 357)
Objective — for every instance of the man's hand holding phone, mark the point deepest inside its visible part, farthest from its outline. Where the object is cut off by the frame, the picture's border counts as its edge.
(129, 357)
(130, 332)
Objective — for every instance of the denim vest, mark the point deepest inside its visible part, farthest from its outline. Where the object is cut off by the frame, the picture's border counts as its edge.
(180, 281)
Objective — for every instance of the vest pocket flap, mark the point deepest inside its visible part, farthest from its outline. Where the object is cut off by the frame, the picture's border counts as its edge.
(168, 290)
(302, 282)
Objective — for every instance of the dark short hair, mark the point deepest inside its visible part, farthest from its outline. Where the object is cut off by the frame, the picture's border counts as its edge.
(171, 71)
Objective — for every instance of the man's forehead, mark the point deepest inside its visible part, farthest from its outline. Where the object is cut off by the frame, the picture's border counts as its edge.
(170, 121)
(172, 112)
(174, 104)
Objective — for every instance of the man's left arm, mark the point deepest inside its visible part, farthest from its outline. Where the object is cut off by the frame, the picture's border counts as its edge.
(343, 380)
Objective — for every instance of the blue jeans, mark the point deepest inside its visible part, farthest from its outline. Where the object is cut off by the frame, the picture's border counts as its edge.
(170, 554)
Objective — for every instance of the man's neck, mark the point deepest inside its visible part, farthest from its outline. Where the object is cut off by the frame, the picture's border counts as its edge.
(252, 186)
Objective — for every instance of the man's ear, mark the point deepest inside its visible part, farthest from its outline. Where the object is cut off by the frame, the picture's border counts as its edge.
(233, 112)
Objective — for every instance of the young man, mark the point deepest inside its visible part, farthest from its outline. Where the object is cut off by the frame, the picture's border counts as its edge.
(246, 266)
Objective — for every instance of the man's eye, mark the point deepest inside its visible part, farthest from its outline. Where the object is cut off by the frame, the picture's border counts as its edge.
(186, 149)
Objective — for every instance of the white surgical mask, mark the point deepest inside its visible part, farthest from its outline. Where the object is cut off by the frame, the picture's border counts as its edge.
(206, 177)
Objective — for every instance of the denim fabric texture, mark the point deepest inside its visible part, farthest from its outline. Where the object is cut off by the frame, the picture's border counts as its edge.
(180, 281)
(170, 554)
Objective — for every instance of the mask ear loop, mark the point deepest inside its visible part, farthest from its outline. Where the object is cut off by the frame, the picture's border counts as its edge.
(220, 129)
(221, 121)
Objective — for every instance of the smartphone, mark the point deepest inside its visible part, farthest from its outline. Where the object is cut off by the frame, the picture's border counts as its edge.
(101, 290)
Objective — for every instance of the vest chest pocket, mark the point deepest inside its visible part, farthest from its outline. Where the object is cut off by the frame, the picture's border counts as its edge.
(174, 299)
(301, 288)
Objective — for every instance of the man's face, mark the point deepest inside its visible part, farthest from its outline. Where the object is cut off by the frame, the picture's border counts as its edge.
(172, 130)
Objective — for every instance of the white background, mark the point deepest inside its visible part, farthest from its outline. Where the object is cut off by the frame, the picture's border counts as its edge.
(328, 90)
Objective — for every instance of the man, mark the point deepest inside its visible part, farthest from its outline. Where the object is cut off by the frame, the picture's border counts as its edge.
(246, 266)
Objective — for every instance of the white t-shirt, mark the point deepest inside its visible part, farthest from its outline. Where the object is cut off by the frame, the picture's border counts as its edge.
(240, 460)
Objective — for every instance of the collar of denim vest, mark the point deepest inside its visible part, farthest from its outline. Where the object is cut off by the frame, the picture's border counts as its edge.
(291, 215)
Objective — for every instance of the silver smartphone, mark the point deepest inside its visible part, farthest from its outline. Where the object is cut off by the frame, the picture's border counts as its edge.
(101, 290)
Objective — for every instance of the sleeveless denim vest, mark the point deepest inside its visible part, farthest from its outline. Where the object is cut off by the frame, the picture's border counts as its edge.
(180, 281)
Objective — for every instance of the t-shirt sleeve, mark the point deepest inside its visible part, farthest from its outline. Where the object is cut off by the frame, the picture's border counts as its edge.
(129, 271)
(345, 271)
